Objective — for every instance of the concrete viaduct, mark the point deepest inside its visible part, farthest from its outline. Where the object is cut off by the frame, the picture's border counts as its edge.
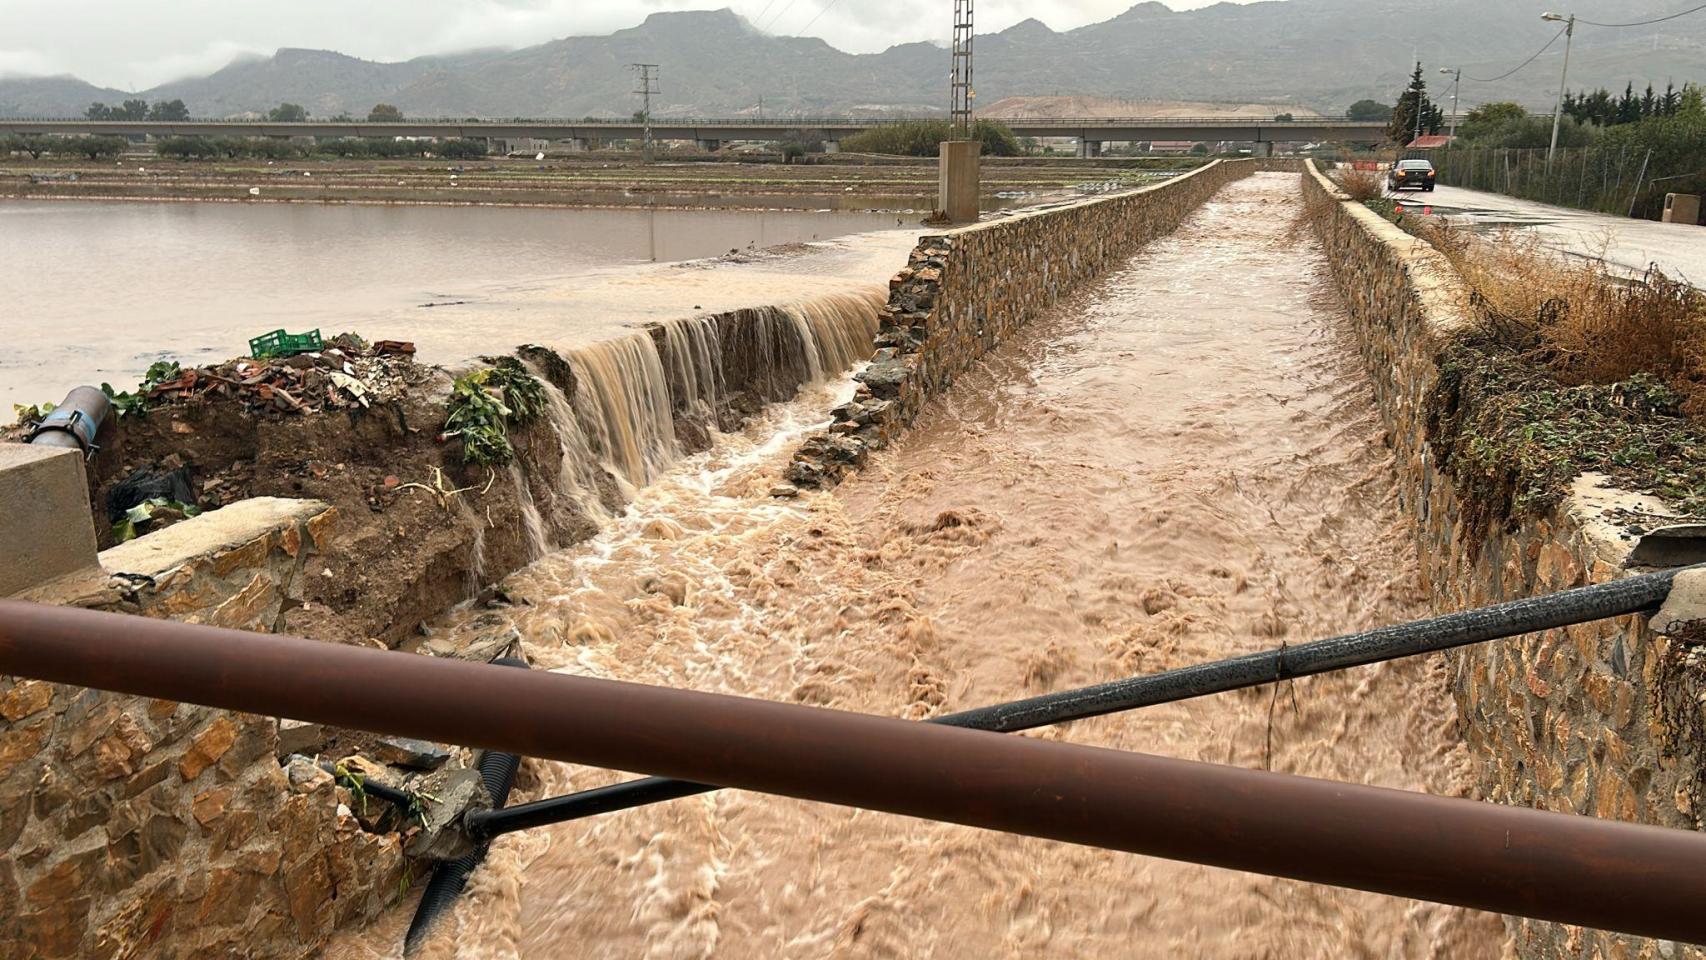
(1090, 133)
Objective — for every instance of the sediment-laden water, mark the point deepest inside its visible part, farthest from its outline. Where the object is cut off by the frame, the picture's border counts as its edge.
(97, 291)
(1179, 464)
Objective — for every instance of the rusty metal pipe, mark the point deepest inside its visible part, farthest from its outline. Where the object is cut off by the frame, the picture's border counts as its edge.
(1431, 634)
(1630, 878)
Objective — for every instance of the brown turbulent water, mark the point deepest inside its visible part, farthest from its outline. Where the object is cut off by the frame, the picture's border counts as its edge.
(1179, 464)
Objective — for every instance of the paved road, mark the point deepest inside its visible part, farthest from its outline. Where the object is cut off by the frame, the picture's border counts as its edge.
(1678, 249)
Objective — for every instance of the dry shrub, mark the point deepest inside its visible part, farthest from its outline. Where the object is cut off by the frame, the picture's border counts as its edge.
(1582, 322)
(1361, 185)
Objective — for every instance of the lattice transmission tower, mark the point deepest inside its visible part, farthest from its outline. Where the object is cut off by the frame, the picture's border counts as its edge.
(648, 85)
(961, 91)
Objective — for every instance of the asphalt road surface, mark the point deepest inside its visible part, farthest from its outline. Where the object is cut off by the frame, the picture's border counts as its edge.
(1678, 249)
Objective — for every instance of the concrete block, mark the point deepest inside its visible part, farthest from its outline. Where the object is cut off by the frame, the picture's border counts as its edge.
(1685, 605)
(1681, 208)
(959, 178)
(46, 528)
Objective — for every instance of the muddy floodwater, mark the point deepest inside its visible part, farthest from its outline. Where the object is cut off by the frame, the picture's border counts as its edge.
(1180, 463)
(93, 291)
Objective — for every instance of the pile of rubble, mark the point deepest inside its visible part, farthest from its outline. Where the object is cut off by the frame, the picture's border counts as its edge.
(347, 373)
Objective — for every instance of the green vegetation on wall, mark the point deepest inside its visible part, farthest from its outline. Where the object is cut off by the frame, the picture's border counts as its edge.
(485, 402)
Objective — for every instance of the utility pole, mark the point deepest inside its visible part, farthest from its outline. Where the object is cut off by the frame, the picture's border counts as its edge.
(1456, 80)
(648, 86)
(1563, 80)
(957, 172)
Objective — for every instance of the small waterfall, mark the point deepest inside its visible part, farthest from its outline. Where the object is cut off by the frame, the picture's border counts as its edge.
(630, 394)
(627, 395)
(531, 523)
(695, 351)
(578, 478)
(477, 556)
(837, 329)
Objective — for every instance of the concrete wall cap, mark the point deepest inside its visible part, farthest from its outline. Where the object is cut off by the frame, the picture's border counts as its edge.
(219, 530)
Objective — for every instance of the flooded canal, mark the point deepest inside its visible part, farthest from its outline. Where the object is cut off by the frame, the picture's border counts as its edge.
(1179, 464)
(94, 291)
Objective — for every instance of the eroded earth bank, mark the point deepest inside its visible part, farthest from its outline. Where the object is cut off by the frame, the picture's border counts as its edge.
(1180, 463)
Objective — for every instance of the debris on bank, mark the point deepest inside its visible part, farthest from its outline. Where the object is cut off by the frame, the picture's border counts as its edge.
(349, 372)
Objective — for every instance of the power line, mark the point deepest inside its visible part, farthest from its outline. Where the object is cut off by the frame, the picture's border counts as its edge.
(778, 17)
(1525, 63)
(826, 8)
(1642, 23)
(761, 13)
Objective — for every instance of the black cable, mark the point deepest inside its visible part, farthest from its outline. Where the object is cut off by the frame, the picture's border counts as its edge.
(778, 17)
(1642, 23)
(1596, 602)
(826, 8)
(1525, 63)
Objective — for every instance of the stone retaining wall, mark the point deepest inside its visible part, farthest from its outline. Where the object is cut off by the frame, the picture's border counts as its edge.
(132, 827)
(1599, 719)
(963, 292)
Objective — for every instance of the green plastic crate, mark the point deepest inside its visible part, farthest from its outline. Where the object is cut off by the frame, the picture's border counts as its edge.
(281, 344)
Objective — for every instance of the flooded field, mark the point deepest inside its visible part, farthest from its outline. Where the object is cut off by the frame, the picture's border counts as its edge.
(1168, 468)
(97, 291)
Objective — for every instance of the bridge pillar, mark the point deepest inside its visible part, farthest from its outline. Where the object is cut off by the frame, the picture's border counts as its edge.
(1089, 148)
(710, 146)
(958, 186)
(832, 146)
(579, 144)
(1265, 148)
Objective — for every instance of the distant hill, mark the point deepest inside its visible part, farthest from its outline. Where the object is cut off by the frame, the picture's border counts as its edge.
(1316, 54)
(51, 96)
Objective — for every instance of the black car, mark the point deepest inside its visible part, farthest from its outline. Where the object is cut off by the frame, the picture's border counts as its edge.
(1410, 173)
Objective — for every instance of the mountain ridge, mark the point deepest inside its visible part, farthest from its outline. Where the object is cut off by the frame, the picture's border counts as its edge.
(1320, 54)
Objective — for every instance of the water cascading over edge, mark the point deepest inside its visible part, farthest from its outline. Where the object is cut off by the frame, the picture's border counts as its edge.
(639, 402)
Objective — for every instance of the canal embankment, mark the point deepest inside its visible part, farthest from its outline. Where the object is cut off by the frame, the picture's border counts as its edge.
(964, 292)
(1601, 719)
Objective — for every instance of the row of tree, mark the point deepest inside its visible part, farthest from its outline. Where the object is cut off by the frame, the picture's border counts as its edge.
(139, 110)
(1606, 109)
(243, 148)
(176, 110)
(923, 138)
(364, 148)
(39, 145)
(1615, 167)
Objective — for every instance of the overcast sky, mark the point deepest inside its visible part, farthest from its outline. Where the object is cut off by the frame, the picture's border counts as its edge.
(135, 44)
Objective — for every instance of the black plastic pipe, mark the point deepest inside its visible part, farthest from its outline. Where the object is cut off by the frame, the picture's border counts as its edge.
(350, 781)
(1580, 605)
(450, 877)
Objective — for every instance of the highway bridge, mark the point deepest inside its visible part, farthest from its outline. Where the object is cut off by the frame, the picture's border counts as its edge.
(711, 133)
